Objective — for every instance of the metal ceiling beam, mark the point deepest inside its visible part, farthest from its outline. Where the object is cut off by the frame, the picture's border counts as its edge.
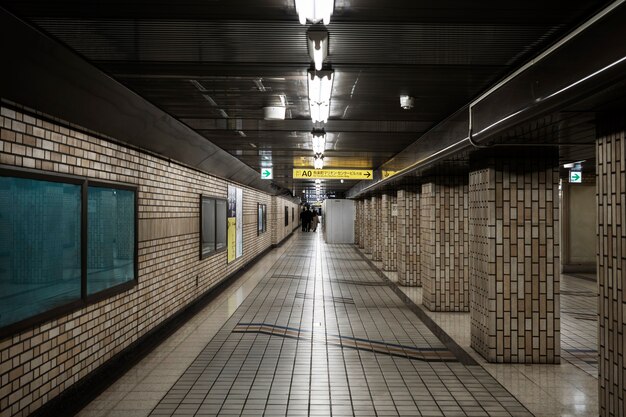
(584, 64)
(48, 77)
(339, 126)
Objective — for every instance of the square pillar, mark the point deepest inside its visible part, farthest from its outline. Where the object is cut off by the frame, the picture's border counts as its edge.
(367, 226)
(357, 222)
(389, 213)
(611, 197)
(409, 238)
(444, 244)
(514, 258)
(362, 225)
(377, 229)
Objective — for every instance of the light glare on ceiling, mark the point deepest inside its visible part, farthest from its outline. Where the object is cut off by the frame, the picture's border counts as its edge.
(315, 10)
(319, 142)
(318, 162)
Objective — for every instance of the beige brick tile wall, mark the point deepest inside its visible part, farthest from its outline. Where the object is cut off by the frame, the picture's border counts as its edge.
(377, 229)
(514, 260)
(368, 227)
(444, 244)
(611, 195)
(409, 238)
(389, 232)
(38, 364)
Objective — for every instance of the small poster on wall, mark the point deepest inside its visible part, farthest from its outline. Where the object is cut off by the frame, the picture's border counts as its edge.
(235, 223)
(239, 215)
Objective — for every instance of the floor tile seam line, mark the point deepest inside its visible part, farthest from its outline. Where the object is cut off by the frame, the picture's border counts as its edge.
(262, 279)
(234, 379)
(260, 363)
(377, 358)
(345, 369)
(362, 368)
(295, 358)
(320, 256)
(463, 357)
(269, 327)
(440, 332)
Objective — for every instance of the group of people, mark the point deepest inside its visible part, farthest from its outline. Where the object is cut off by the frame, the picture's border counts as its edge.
(309, 219)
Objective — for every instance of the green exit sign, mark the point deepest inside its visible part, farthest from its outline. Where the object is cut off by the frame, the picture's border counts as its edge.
(575, 177)
(267, 173)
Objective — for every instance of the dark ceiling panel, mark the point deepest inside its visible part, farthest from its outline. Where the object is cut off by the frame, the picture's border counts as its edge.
(214, 64)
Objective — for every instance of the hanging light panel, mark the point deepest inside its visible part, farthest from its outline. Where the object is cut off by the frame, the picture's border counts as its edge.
(319, 142)
(318, 162)
(318, 46)
(320, 89)
(315, 10)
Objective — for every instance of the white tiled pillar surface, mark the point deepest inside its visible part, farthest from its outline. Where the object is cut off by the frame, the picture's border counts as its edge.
(377, 229)
(409, 238)
(389, 215)
(514, 259)
(444, 244)
(611, 196)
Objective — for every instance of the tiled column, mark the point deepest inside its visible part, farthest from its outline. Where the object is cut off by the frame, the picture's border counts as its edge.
(514, 258)
(611, 189)
(357, 222)
(362, 225)
(367, 226)
(273, 219)
(377, 229)
(444, 244)
(409, 238)
(389, 213)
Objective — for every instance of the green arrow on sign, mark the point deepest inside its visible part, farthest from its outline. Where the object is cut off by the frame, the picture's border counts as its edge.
(266, 173)
(575, 176)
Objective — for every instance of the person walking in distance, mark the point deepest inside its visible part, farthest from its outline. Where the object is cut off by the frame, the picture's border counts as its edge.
(314, 220)
(307, 220)
(303, 219)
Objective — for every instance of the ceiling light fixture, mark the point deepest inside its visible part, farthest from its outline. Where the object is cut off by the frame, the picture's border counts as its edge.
(315, 10)
(318, 46)
(320, 89)
(318, 161)
(319, 142)
(318, 181)
(407, 102)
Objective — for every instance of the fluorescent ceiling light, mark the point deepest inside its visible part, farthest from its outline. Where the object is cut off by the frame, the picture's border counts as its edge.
(319, 142)
(318, 181)
(320, 89)
(318, 46)
(315, 10)
(318, 162)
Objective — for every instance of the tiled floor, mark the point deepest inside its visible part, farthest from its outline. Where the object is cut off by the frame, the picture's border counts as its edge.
(565, 390)
(314, 330)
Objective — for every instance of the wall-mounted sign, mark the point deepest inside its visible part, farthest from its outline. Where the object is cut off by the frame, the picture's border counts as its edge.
(575, 176)
(267, 173)
(234, 229)
(387, 174)
(333, 174)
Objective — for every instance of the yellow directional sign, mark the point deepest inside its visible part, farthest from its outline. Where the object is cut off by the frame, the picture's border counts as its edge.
(387, 174)
(333, 174)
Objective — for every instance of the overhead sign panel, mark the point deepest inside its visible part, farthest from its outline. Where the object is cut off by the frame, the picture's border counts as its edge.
(333, 174)
(387, 174)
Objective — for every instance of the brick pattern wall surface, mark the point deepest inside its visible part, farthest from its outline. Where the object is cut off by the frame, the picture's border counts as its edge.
(362, 223)
(444, 234)
(38, 364)
(368, 229)
(611, 193)
(409, 238)
(357, 222)
(389, 233)
(514, 260)
(377, 229)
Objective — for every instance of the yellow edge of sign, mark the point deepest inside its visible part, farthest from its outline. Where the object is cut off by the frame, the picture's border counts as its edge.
(337, 174)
